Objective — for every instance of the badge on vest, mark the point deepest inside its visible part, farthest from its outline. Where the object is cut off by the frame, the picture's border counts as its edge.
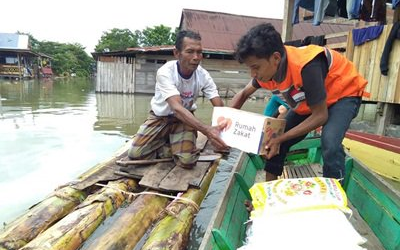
(294, 96)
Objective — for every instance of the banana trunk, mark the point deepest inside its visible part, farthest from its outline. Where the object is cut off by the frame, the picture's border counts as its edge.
(131, 225)
(172, 232)
(75, 228)
(40, 217)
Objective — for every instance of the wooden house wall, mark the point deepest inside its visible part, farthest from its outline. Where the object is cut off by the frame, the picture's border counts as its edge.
(229, 76)
(367, 57)
(116, 75)
(145, 71)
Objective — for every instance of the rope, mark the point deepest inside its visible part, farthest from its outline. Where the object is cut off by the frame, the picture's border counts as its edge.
(177, 198)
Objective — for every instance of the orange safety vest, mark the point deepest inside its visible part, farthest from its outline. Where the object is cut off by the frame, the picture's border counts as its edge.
(342, 79)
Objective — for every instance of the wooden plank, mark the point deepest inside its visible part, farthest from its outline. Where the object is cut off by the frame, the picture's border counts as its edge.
(137, 171)
(335, 35)
(380, 79)
(317, 169)
(285, 174)
(337, 45)
(350, 46)
(375, 80)
(178, 178)
(156, 174)
(309, 171)
(365, 58)
(374, 67)
(304, 171)
(393, 74)
(356, 57)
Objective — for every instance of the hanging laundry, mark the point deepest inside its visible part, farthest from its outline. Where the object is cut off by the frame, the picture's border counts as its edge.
(341, 8)
(319, 7)
(353, 9)
(373, 11)
(363, 35)
(394, 34)
(395, 3)
(317, 40)
(294, 43)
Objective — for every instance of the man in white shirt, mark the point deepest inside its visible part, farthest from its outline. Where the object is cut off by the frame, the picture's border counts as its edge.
(171, 128)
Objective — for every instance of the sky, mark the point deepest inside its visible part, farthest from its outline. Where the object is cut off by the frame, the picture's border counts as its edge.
(85, 21)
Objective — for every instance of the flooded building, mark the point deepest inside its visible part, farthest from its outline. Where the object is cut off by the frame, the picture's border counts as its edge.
(18, 61)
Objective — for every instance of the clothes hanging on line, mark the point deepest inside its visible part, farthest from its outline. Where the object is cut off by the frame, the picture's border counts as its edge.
(360, 36)
(373, 11)
(395, 3)
(393, 35)
(366, 10)
(319, 7)
(317, 40)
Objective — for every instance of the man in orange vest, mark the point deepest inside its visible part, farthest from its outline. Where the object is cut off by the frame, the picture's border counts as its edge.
(320, 85)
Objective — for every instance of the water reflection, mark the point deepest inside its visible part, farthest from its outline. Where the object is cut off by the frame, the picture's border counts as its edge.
(47, 139)
(124, 113)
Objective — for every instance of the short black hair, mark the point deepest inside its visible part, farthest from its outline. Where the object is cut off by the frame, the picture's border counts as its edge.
(260, 41)
(185, 33)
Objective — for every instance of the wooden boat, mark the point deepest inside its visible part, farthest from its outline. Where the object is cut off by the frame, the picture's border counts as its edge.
(375, 200)
(94, 214)
(379, 153)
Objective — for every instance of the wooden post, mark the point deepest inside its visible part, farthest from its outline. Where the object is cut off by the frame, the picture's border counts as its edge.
(287, 27)
(19, 66)
(384, 118)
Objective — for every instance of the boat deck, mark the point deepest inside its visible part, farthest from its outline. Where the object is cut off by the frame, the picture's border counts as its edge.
(315, 170)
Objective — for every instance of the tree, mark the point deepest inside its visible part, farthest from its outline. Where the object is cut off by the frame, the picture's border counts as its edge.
(117, 39)
(67, 58)
(159, 35)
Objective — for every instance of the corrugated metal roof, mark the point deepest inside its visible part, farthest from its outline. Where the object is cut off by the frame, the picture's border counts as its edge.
(14, 41)
(154, 48)
(221, 31)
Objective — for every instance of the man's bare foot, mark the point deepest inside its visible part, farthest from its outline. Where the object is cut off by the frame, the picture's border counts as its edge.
(270, 177)
(249, 206)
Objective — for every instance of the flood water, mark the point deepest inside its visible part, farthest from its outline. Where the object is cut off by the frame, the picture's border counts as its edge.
(54, 130)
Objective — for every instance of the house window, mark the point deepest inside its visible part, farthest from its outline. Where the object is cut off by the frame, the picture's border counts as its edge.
(11, 60)
(157, 61)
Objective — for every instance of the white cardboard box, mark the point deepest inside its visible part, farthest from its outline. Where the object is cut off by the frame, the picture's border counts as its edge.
(247, 131)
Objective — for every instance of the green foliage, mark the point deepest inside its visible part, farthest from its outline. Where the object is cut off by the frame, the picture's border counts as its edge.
(117, 39)
(67, 58)
(159, 35)
(121, 39)
(72, 58)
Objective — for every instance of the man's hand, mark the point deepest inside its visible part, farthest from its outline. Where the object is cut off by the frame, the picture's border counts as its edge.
(213, 135)
(272, 147)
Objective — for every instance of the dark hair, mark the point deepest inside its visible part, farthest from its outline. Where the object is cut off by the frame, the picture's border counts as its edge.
(260, 41)
(185, 33)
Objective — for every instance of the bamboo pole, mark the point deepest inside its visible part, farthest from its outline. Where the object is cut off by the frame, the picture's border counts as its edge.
(40, 217)
(172, 232)
(70, 232)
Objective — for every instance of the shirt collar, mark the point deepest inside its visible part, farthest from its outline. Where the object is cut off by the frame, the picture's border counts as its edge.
(280, 74)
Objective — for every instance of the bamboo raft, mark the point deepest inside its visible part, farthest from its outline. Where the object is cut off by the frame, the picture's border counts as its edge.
(72, 217)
